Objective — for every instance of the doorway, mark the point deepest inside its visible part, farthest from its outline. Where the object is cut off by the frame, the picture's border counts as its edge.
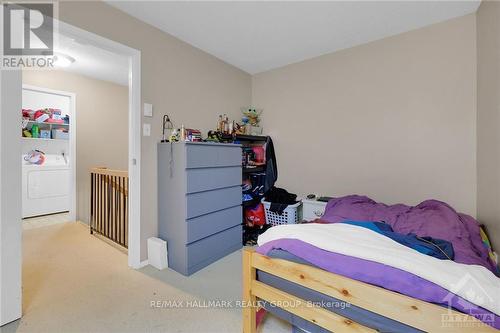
(11, 175)
(48, 156)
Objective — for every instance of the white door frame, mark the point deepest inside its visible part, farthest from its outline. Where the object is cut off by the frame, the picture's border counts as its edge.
(72, 142)
(10, 196)
(134, 141)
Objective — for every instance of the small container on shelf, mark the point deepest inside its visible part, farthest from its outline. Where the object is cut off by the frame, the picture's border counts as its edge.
(44, 134)
(60, 134)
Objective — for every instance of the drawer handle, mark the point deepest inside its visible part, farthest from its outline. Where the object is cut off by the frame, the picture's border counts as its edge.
(318, 213)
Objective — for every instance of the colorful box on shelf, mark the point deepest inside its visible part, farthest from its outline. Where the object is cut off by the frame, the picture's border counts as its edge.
(44, 134)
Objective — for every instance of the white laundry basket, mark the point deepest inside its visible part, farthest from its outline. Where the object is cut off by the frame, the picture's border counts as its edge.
(290, 214)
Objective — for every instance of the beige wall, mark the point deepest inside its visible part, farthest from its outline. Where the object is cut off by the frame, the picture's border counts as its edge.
(101, 125)
(190, 85)
(488, 118)
(394, 119)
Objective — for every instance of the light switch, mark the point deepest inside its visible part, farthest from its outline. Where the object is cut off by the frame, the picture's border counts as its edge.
(146, 129)
(148, 110)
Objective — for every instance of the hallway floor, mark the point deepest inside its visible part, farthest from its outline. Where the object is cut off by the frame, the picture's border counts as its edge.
(74, 282)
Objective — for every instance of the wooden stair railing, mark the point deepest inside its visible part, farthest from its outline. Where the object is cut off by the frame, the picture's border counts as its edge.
(109, 204)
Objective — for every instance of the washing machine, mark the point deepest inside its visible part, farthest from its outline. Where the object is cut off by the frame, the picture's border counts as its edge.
(46, 187)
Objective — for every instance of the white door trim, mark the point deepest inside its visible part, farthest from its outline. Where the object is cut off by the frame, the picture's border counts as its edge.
(135, 138)
(72, 141)
(10, 196)
(134, 144)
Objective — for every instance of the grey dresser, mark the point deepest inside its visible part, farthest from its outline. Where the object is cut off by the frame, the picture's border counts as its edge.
(199, 202)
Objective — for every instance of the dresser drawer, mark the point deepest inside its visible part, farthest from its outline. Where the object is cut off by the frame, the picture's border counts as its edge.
(211, 201)
(209, 224)
(210, 249)
(312, 210)
(204, 179)
(207, 156)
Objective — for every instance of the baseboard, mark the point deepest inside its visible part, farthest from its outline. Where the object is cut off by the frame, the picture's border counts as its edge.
(142, 264)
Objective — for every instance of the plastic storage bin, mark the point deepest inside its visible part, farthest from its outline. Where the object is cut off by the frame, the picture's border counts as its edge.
(60, 135)
(290, 214)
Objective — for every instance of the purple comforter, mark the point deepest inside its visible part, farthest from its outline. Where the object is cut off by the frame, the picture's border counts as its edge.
(380, 275)
(430, 218)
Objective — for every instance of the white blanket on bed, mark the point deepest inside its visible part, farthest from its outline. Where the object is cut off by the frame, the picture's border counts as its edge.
(472, 282)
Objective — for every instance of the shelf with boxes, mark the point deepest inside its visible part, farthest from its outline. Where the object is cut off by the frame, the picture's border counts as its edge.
(46, 131)
(45, 123)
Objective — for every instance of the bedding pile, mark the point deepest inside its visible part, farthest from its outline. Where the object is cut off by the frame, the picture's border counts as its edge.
(369, 256)
(430, 218)
(436, 248)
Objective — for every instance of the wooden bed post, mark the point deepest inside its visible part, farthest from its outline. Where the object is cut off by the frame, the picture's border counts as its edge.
(249, 300)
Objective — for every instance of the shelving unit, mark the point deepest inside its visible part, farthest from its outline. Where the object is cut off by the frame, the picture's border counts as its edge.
(260, 168)
(248, 141)
(50, 125)
(251, 138)
(46, 126)
(43, 139)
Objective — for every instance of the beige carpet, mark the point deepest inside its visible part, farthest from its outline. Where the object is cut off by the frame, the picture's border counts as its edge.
(74, 282)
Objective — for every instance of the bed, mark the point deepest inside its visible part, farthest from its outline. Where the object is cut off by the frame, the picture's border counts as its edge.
(297, 291)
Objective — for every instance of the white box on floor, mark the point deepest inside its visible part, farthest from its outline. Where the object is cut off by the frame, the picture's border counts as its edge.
(157, 253)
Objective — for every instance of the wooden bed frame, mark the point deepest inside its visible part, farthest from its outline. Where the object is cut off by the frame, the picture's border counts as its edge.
(410, 311)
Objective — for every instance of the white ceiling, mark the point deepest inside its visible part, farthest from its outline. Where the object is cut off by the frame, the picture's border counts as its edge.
(258, 36)
(92, 61)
